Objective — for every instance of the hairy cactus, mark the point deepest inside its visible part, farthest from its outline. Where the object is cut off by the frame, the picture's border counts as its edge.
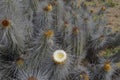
(56, 40)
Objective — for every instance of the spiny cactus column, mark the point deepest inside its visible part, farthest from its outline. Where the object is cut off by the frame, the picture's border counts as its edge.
(55, 40)
(11, 38)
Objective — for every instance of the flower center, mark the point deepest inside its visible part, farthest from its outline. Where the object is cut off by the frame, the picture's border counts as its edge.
(60, 55)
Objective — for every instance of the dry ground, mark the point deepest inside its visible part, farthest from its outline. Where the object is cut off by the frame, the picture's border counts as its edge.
(112, 13)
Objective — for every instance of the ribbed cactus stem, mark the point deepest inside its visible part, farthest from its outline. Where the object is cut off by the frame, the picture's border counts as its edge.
(34, 5)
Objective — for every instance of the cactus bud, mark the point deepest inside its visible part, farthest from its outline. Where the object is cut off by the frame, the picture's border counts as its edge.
(107, 66)
(49, 34)
(91, 11)
(65, 24)
(103, 8)
(48, 8)
(5, 23)
(32, 78)
(20, 62)
(75, 30)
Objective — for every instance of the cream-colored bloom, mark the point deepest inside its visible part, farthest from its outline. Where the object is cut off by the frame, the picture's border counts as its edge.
(59, 56)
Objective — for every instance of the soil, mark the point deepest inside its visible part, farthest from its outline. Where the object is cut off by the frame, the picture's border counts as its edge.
(112, 13)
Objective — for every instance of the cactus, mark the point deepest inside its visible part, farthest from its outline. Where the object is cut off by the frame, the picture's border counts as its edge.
(56, 40)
